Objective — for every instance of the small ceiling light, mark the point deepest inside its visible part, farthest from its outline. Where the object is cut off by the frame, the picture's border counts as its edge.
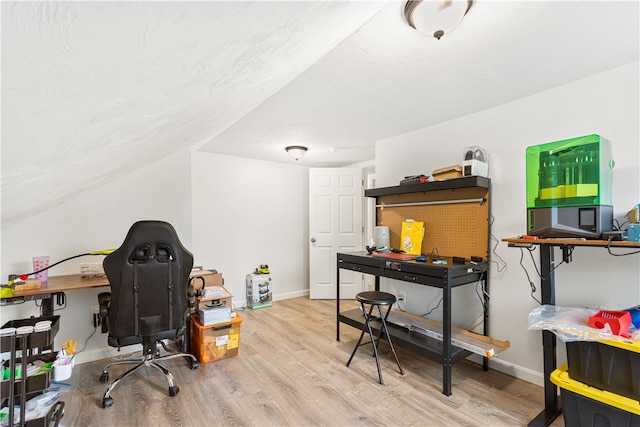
(435, 18)
(296, 151)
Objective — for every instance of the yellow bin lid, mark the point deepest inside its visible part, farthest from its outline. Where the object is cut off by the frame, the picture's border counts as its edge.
(633, 346)
(560, 377)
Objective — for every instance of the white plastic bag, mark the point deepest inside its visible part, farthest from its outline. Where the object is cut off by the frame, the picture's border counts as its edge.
(571, 324)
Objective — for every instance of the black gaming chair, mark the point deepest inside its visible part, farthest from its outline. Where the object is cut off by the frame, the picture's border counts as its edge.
(148, 302)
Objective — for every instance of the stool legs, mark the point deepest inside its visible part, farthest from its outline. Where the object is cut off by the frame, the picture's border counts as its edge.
(386, 330)
(374, 341)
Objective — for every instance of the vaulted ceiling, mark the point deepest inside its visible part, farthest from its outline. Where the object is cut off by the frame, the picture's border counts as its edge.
(94, 90)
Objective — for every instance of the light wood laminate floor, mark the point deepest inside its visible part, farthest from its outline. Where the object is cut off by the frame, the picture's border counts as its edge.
(290, 371)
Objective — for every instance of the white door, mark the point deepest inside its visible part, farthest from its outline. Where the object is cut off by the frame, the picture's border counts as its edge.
(335, 225)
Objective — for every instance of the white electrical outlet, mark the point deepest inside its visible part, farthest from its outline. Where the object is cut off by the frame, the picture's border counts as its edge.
(95, 315)
(402, 298)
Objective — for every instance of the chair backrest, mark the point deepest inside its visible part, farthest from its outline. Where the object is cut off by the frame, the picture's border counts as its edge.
(149, 275)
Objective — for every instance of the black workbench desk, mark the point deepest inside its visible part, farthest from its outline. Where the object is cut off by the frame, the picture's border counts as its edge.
(443, 276)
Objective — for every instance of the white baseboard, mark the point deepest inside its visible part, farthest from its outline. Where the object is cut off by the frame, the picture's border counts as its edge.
(289, 295)
(511, 369)
(105, 353)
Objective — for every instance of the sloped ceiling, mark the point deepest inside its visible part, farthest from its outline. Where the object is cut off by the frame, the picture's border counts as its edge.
(93, 90)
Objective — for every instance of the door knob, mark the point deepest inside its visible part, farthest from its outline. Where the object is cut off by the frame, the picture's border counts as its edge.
(313, 240)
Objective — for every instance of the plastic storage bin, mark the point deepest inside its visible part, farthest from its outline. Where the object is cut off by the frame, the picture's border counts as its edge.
(587, 406)
(608, 365)
(215, 342)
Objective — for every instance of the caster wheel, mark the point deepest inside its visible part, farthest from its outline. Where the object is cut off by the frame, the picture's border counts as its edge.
(194, 364)
(174, 390)
(107, 402)
(104, 377)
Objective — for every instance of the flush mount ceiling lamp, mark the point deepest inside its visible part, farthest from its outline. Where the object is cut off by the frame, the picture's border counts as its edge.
(296, 151)
(435, 18)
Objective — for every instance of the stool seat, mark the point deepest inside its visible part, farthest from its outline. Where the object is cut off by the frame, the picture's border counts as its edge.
(376, 297)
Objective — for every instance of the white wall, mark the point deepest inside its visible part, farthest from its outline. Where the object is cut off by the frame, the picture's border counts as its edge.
(96, 220)
(232, 213)
(251, 212)
(606, 104)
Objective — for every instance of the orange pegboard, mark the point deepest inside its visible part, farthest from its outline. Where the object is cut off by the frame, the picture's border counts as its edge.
(456, 221)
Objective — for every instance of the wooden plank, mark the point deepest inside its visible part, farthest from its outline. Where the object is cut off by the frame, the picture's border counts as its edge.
(475, 343)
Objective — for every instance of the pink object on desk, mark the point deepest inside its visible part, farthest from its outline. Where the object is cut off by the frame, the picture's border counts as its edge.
(40, 262)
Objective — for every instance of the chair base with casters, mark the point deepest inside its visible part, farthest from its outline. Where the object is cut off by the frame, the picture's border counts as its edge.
(368, 301)
(150, 354)
(150, 358)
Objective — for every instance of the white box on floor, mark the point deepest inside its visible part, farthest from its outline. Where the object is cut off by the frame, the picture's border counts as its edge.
(259, 292)
(213, 315)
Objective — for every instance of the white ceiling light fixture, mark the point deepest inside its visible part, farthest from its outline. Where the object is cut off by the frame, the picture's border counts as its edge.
(296, 151)
(435, 18)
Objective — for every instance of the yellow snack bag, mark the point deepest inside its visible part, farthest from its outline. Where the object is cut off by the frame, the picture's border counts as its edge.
(411, 237)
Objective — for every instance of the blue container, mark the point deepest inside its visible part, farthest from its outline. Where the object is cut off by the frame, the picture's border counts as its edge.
(635, 315)
(633, 232)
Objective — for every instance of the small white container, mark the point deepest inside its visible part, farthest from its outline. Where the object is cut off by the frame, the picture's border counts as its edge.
(381, 237)
(62, 372)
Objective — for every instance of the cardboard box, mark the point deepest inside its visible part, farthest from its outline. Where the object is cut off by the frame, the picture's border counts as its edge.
(447, 172)
(634, 214)
(203, 278)
(215, 342)
(215, 296)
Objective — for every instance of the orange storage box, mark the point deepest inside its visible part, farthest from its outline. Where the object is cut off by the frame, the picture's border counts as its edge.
(215, 342)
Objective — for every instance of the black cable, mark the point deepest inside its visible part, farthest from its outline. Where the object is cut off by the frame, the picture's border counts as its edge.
(59, 262)
(95, 328)
(431, 311)
(533, 286)
(568, 257)
(482, 300)
(617, 226)
(498, 269)
(624, 254)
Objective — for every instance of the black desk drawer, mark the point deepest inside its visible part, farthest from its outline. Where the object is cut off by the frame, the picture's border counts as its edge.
(360, 268)
(360, 258)
(415, 278)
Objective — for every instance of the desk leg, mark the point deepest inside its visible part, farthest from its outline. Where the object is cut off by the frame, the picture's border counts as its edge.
(46, 306)
(485, 310)
(338, 302)
(446, 339)
(552, 405)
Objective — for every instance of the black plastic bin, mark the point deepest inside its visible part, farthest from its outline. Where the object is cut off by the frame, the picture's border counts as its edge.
(608, 365)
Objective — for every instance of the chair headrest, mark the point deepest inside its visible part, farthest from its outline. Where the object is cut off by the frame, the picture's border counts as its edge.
(143, 253)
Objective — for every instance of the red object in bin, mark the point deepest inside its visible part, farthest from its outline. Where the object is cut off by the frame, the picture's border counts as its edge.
(618, 321)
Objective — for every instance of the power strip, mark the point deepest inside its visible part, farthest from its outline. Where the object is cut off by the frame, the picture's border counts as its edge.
(614, 235)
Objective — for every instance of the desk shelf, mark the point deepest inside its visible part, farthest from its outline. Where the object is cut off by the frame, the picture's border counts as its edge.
(443, 276)
(448, 184)
(401, 337)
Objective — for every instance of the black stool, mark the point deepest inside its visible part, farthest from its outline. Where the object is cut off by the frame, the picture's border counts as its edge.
(375, 299)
